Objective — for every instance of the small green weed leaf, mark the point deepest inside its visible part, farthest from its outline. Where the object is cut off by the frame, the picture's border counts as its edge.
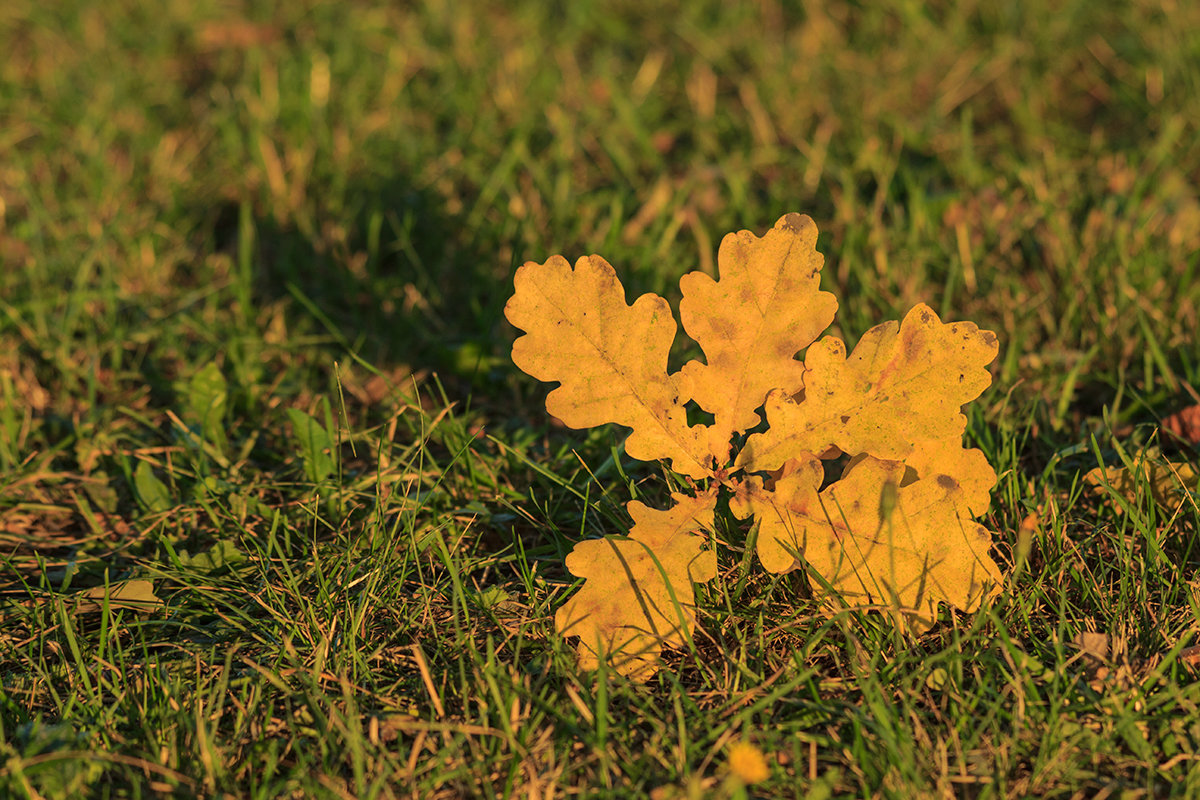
(51, 775)
(492, 597)
(101, 491)
(937, 679)
(222, 554)
(205, 400)
(242, 505)
(152, 493)
(316, 448)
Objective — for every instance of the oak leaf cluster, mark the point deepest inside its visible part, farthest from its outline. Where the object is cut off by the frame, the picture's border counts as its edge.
(895, 530)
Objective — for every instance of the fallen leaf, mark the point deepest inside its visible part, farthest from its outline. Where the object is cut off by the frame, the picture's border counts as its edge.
(234, 35)
(1184, 425)
(610, 358)
(135, 595)
(1169, 484)
(1092, 644)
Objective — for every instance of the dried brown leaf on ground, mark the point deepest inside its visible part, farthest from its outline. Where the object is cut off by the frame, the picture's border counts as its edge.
(1184, 425)
(896, 531)
(1169, 484)
(136, 595)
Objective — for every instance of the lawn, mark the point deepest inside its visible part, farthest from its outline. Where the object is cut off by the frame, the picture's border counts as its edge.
(279, 517)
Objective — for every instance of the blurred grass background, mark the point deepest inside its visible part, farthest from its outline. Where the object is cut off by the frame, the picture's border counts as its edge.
(276, 189)
(395, 163)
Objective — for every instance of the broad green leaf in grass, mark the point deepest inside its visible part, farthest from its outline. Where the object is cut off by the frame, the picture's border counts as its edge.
(152, 493)
(316, 448)
(220, 555)
(206, 396)
(54, 760)
(102, 492)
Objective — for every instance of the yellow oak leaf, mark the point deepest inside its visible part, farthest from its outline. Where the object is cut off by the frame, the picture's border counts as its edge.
(898, 396)
(610, 359)
(638, 595)
(871, 539)
(765, 308)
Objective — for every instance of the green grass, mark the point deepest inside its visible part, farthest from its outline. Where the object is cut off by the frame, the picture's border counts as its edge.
(252, 272)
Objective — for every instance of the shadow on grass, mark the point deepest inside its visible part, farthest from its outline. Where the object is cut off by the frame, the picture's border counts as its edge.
(396, 280)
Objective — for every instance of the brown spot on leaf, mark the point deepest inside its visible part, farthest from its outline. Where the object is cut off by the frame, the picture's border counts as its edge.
(791, 222)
